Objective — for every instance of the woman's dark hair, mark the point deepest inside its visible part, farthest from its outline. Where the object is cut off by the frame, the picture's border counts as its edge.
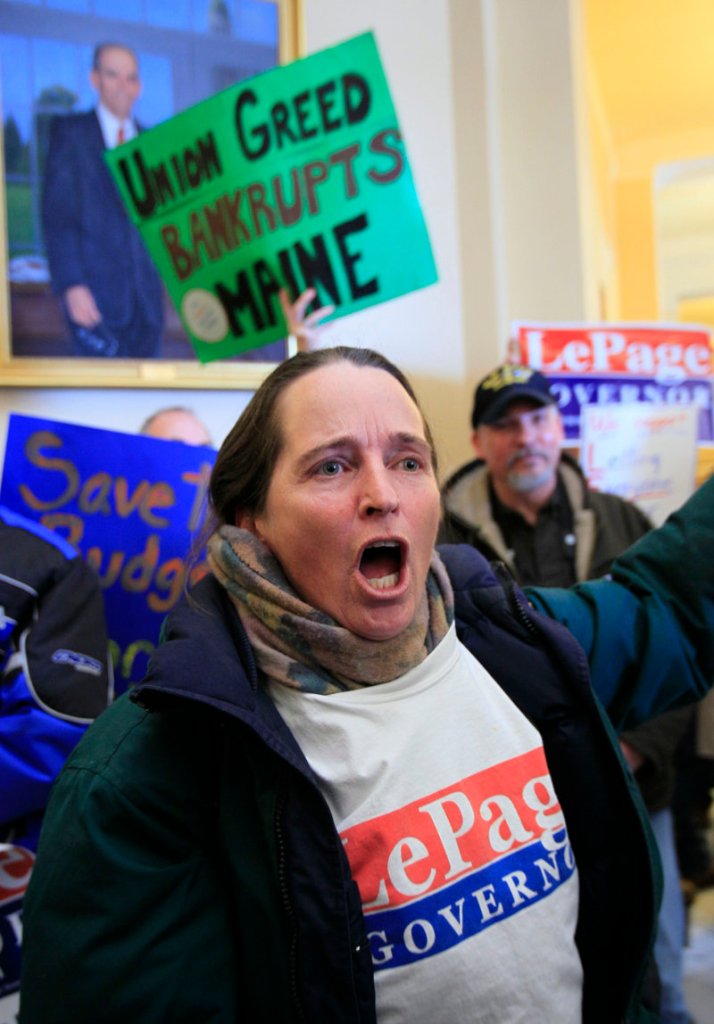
(244, 465)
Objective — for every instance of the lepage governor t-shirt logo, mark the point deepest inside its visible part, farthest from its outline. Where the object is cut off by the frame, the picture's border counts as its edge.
(443, 868)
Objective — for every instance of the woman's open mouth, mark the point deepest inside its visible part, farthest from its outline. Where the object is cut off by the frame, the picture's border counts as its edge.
(381, 564)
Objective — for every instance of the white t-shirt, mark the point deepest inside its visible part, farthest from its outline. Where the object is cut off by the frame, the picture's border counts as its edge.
(440, 791)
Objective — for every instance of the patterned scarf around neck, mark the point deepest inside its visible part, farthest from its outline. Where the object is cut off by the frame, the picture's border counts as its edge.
(304, 648)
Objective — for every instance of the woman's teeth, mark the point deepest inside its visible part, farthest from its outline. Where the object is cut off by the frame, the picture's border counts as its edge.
(385, 581)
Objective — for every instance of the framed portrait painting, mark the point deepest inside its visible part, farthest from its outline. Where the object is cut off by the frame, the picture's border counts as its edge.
(186, 51)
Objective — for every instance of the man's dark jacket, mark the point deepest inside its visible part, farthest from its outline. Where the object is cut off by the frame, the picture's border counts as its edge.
(89, 237)
(603, 524)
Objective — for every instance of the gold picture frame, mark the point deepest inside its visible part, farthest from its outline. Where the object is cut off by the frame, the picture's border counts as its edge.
(32, 371)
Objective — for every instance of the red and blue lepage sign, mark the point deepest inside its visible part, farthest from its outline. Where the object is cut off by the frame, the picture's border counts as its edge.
(598, 364)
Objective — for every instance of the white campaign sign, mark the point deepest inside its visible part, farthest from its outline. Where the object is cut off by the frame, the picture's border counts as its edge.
(643, 452)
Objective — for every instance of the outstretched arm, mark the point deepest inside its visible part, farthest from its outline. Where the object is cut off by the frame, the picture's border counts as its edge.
(648, 631)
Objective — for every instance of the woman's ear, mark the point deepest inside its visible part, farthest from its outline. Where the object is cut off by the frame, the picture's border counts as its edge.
(248, 521)
(245, 521)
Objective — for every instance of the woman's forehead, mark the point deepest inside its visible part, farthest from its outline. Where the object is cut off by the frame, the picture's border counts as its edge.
(342, 393)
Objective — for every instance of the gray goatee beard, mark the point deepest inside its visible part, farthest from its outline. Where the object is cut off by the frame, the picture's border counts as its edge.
(525, 482)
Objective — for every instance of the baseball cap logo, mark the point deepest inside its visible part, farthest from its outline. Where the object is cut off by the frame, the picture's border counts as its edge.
(506, 384)
(505, 376)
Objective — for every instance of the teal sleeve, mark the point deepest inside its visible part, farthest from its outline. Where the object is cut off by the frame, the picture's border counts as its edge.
(648, 631)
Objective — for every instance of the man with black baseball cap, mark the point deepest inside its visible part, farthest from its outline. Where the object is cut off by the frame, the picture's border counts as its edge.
(523, 501)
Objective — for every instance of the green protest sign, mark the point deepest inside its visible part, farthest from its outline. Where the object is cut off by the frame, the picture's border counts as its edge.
(297, 177)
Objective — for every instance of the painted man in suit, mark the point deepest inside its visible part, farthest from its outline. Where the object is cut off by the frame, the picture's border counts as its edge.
(110, 290)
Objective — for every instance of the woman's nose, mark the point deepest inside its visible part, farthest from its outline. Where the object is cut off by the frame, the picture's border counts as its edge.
(379, 496)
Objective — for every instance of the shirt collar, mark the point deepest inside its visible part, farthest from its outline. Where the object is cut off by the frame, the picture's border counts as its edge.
(110, 123)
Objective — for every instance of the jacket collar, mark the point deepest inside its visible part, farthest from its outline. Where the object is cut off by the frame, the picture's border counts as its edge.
(205, 657)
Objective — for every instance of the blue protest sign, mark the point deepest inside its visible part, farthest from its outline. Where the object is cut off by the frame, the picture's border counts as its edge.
(131, 505)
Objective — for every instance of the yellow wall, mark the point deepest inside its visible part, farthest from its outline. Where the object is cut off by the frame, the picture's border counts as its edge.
(649, 79)
(705, 463)
(635, 250)
(602, 206)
